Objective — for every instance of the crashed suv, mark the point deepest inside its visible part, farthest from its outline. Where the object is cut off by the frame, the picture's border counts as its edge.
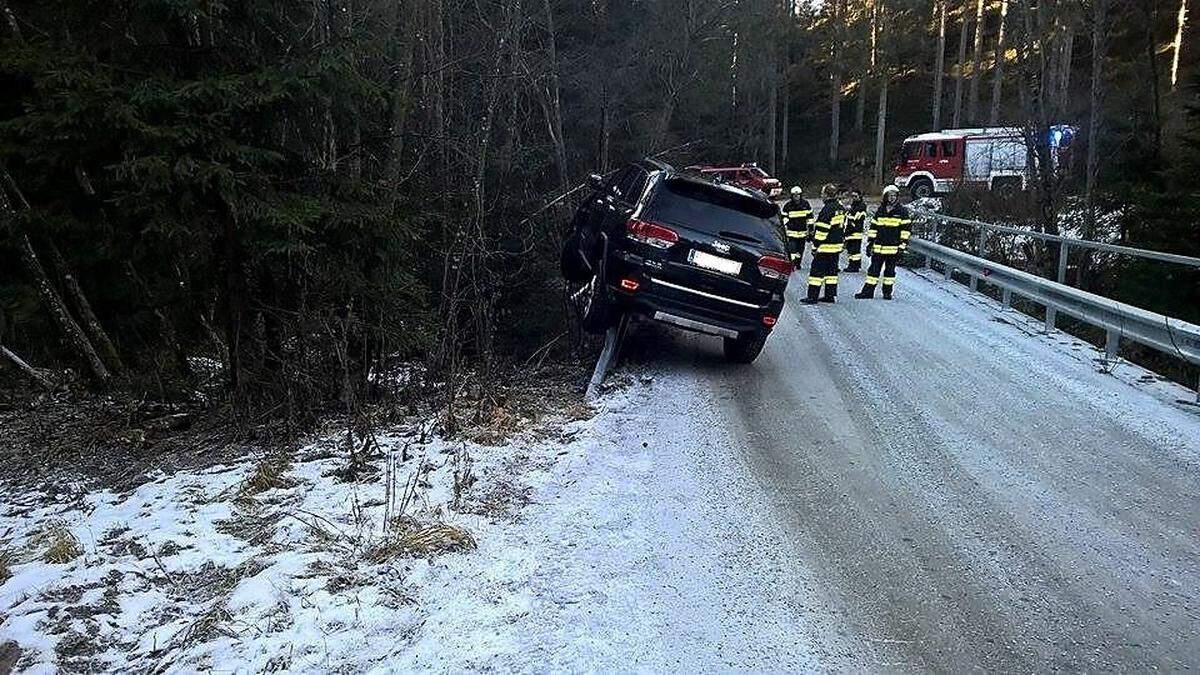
(654, 243)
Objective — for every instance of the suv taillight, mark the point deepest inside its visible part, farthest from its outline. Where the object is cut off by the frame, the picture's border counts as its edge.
(774, 267)
(653, 234)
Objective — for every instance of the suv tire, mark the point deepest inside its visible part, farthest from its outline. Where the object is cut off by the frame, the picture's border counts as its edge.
(594, 303)
(745, 347)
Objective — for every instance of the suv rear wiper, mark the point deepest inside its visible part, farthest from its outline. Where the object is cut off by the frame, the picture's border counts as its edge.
(740, 237)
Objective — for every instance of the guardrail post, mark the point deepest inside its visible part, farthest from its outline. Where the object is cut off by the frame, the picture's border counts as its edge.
(981, 249)
(949, 270)
(1062, 262)
(1112, 344)
(1006, 298)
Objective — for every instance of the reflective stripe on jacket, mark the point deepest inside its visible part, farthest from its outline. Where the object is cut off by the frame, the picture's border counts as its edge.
(829, 229)
(890, 229)
(796, 217)
(855, 219)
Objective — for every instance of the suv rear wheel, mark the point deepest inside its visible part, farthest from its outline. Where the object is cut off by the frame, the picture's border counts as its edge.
(745, 347)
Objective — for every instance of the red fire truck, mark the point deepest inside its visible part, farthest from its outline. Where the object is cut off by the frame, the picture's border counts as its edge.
(995, 158)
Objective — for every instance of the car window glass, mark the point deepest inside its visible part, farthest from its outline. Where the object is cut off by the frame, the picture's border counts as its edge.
(948, 148)
(912, 151)
(625, 187)
(931, 149)
(637, 186)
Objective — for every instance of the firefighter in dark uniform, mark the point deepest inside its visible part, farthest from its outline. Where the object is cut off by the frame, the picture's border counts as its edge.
(828, 237)
(797, 216)
(856, 217)
(887, 239)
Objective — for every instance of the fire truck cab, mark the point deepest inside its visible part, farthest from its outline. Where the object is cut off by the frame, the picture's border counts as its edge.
(995, 158)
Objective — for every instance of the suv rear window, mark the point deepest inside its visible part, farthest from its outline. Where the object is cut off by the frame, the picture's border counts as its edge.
(711, 209)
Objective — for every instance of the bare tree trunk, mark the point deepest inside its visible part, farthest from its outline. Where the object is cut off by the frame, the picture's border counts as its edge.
(962, 64)
(860, 105)
(881, 127)
(75, 336)
(772, 106)
(835, 93)
(13, 26)
(976, 66)
(401, 94)
(58, 311)
(553, 103)
(1001, 57)
(1099, 47)
(605, 128)
(1064, 69)
(868, 72)
(785, 114)
(1156, 123)
(1177, 44)
(90, 323)
(343, 20)
(25, 368)
(939, 63)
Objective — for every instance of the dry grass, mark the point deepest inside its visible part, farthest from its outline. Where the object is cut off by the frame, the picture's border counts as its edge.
(270, 474)
(5, 565)
(58, 544)
(421, 542)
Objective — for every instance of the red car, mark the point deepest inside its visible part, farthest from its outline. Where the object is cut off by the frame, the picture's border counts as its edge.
(747, 176)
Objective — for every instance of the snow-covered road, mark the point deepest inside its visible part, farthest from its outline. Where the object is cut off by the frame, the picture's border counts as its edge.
(920, 485)
(965, 493)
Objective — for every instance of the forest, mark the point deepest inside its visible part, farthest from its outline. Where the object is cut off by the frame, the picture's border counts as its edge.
(260, 207)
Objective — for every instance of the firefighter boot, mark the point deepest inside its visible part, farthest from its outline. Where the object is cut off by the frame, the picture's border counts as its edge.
(867, 292)
(830, 290)
(887, 292)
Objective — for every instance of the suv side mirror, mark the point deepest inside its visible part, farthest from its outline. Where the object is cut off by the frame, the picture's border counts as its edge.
(595, 181)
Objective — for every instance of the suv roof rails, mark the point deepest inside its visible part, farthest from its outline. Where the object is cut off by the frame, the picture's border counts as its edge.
(652, 164)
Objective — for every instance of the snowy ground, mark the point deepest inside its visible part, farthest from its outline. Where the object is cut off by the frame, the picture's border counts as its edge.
(925, 484)
(625, 540)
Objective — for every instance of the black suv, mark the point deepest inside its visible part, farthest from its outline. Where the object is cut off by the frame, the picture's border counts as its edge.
(681, 250)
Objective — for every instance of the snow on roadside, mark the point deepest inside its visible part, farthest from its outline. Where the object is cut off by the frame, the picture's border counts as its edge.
(277, 564)
(630, 540)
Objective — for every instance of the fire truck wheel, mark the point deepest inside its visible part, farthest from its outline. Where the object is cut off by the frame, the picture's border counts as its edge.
(921, 188)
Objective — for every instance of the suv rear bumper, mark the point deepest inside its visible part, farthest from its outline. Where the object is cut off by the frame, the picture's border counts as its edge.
(690, 308)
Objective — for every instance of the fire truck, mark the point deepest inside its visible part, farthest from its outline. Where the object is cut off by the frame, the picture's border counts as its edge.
(994, 158)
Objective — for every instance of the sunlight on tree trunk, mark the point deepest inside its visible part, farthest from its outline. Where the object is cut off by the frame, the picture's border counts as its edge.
(962, 66)
(939, 62)
(976, 65)
(1177, 45)
(1001, 56)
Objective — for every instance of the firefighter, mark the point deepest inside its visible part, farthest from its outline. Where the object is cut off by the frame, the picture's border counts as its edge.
(828, 236)
(856, 217)
(887, 239)
(796, 216)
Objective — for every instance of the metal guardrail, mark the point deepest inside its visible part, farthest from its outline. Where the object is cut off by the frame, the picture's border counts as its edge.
(1119, 320)
(1065, 245)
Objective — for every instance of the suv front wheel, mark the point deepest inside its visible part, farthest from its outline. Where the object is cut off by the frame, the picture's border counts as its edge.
(745, 347)
(594, 303)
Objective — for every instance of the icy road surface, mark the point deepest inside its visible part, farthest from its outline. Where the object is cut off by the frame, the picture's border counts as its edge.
(925, 484)
(966, 494)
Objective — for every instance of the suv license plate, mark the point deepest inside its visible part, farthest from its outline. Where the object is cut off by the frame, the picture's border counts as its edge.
(713, 262)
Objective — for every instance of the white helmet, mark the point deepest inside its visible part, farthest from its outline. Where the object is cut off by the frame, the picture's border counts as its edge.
(796, 192)
(891, 190)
